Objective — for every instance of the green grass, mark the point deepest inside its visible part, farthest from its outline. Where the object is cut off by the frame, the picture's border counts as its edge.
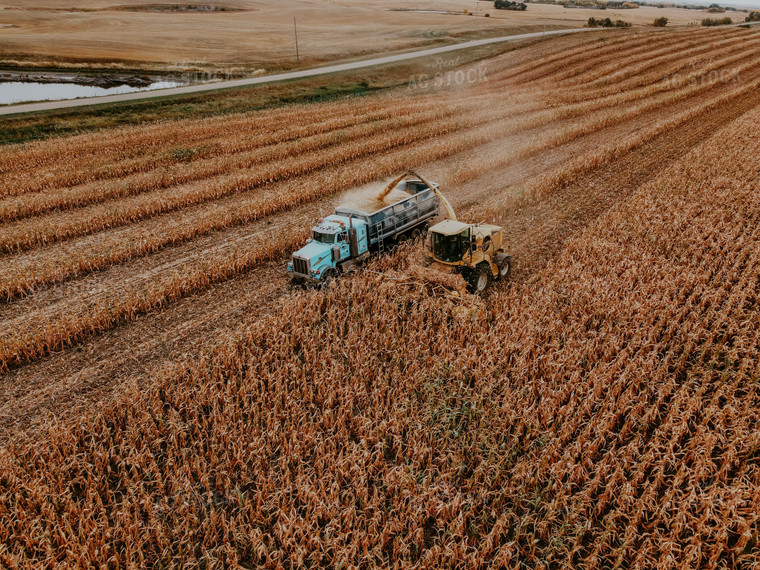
(42, 125)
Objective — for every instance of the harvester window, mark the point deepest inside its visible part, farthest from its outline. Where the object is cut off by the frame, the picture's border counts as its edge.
(452, 248)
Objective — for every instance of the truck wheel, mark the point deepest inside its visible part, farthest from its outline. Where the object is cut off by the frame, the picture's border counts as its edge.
(328, 277)
(480, 279)
(401, 239)
(504, 266)
(416, 234)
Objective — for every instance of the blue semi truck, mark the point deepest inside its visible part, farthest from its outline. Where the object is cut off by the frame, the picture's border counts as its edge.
(342, 241)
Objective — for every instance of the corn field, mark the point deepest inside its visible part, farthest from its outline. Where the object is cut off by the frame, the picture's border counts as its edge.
(599, 411)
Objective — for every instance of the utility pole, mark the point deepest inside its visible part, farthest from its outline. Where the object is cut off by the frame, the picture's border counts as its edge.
(295, 30)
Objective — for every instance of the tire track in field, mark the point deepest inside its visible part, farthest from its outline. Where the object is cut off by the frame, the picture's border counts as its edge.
(77, 379)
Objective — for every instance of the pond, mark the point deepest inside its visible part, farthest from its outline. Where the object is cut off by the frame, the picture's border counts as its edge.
(27, 91)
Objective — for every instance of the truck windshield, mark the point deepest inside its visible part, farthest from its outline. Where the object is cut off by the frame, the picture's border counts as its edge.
(324, 238)
(451, 249)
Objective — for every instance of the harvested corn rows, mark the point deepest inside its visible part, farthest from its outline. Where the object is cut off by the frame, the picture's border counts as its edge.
(124, 198)
(605, 415)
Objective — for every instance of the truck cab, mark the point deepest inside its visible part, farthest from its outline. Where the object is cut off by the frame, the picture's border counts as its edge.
(342, 241)
(337, 245)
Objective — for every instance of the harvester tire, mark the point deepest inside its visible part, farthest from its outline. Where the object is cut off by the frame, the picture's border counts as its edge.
(504, 267)
(480, 279)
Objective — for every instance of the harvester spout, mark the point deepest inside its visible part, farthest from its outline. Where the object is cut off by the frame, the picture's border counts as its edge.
(390, 186)
(446, 204)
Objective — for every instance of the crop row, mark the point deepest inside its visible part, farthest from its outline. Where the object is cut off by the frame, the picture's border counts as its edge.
(33, 336)
(244, 133)
(92, 156)
(103, 148)
(23, 345)
(20, 277)
(585, 99)
(235, 152)
(605, 415)
(56, 227)
(633, 63)
(588, 52)
(633, 71)
(85, 152)
(236, 155)
(662, 75)
(261, 208)
(579, 66)
(30, 270)
(710, 69)
(42, 231)
(555, 180)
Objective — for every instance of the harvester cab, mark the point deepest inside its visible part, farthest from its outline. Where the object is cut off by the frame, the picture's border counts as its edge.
(476, 251)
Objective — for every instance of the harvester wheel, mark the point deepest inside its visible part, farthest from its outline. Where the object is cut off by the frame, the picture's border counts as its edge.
(480, 279)
(504, 266)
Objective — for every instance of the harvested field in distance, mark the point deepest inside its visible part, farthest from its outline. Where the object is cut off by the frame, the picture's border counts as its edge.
(240, 36)
(163, 384)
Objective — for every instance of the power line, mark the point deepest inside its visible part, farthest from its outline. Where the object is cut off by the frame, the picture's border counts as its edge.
(295, 31)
